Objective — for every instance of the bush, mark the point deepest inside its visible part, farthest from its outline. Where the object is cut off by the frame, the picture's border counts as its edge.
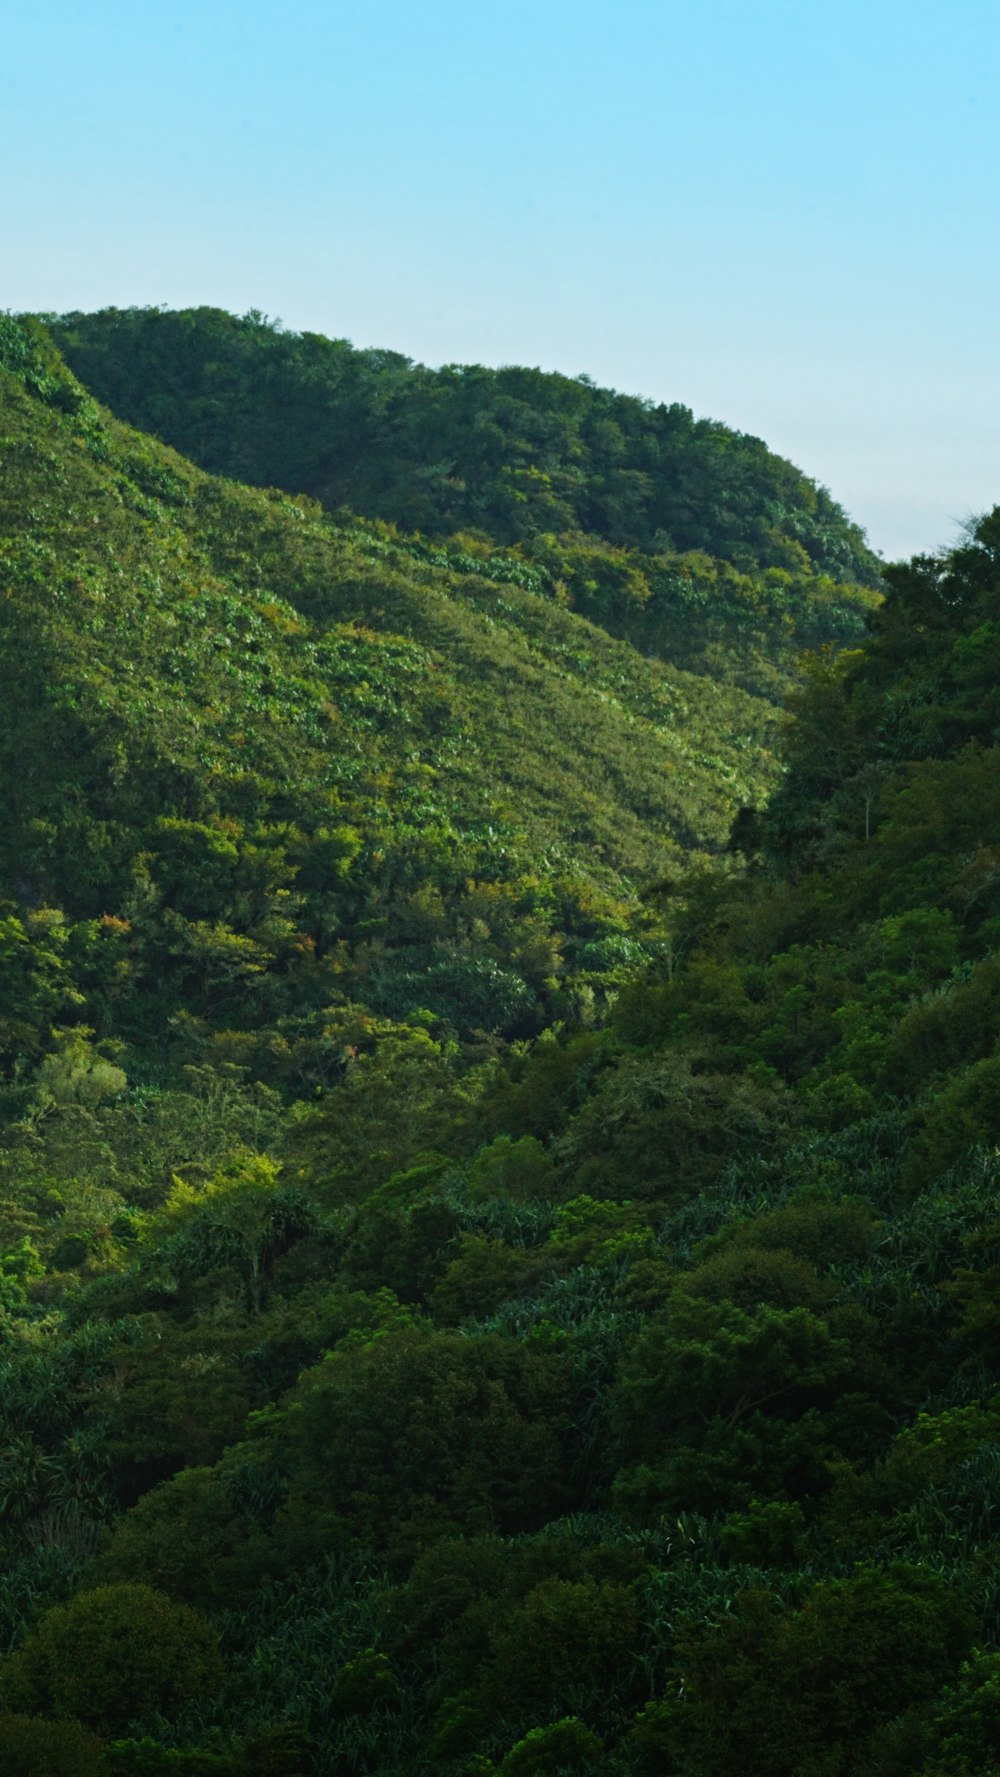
(32, 1747)
(111, 1657)
(565, 1747)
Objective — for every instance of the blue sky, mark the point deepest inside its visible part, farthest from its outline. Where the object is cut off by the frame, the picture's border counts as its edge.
(783, 214)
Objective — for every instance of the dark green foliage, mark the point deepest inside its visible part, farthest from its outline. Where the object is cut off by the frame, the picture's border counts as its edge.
(565, 1749)
(513, 453)
(567, 1640)
(664, 1130)
(113, 1656)
(963, 1735)
(805, 1693)
(530, 1326)
(31, 1746)
(195, 1537)
(467, 1433)
(148, 1758)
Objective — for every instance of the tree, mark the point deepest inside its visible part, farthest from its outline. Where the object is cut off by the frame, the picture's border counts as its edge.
(30, 1746)
(241, 1219)
(705, 1360)
(568, 1643)
(111, 1657)
(564, 1748)
(767, 1692)
(417, 1434)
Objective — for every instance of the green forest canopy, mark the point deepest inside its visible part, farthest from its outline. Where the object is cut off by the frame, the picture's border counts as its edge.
(694, 541)
(516, 453)
(281, 769)
(617, 1394)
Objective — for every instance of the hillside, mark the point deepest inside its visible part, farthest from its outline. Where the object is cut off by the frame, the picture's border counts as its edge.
(262, 767)
(693, 541)
(391, 1395)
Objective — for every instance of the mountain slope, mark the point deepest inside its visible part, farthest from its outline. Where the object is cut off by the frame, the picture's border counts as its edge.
(301, 765)
(691, 540)
(627, 1404)
(513, 452)
(623, 1401)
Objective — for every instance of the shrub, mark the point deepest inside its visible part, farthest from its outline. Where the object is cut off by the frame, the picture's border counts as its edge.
(32, 1747)
(111, 1657)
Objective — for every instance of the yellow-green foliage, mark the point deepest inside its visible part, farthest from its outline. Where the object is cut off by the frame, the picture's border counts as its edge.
(263, 763)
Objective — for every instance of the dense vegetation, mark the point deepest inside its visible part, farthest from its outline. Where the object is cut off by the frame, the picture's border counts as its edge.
(391, 1386)
(695, 542)
(263, 770)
